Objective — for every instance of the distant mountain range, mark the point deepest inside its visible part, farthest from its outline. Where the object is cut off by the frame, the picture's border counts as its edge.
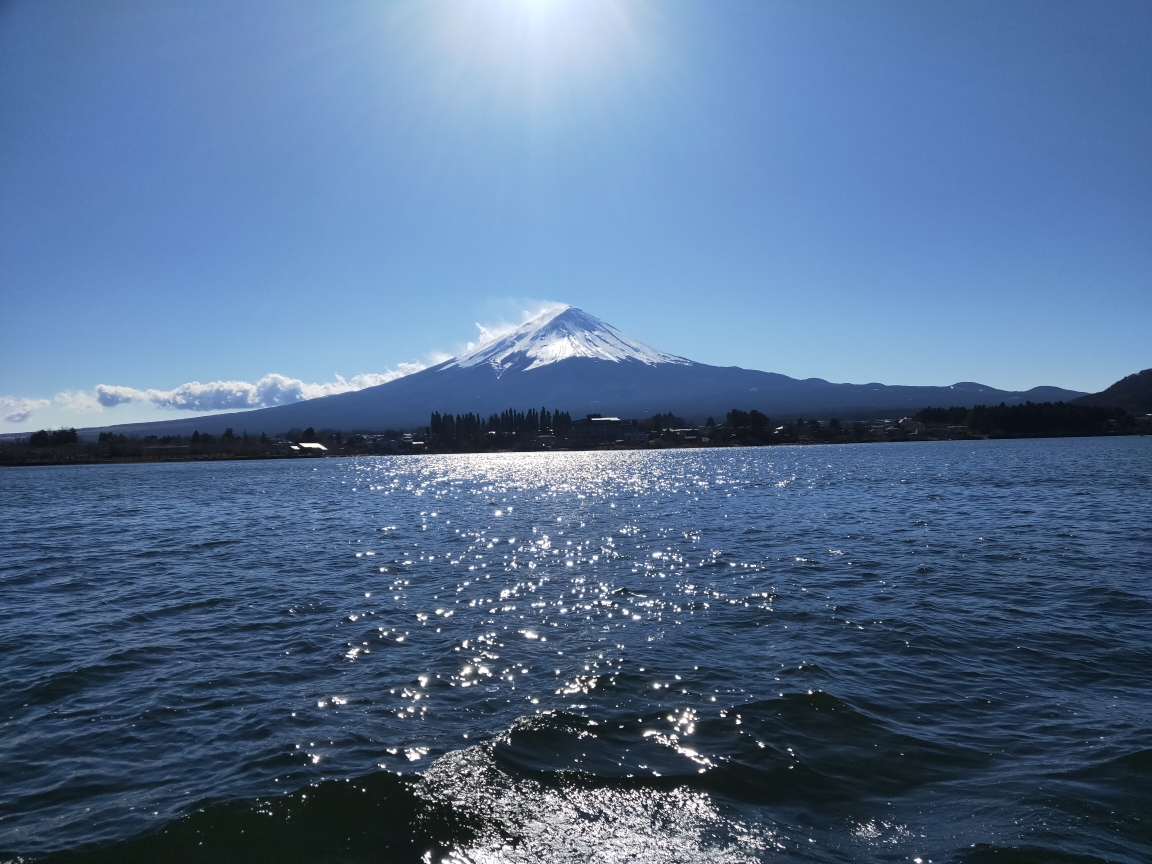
(569, 360)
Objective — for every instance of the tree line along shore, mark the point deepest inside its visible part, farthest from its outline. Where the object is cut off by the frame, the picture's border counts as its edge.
(523, 431)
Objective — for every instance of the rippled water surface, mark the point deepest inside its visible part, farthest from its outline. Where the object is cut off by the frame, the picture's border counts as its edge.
(933, 652)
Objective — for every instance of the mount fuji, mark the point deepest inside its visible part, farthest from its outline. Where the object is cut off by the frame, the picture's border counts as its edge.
(569, 360)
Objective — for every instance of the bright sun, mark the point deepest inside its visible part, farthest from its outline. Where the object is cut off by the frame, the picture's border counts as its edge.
(538, 41)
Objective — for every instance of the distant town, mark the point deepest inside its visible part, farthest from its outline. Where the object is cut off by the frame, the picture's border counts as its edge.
(543, 430)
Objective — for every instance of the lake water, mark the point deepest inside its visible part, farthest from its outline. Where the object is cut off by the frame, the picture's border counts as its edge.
(903, 652)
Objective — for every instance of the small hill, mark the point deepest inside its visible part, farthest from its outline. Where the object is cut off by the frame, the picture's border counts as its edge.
(1133, 394)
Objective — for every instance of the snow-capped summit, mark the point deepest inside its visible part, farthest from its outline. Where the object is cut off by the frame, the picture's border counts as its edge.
(561, 333)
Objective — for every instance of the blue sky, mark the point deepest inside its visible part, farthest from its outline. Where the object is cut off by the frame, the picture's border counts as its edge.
(905, 192)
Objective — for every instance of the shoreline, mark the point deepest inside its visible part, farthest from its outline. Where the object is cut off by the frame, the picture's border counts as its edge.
(84, 456)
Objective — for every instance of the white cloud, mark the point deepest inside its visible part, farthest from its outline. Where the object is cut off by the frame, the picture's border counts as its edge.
(106, 396)
(492, 332)
(19, 410)
(272, 389)
(79, 401)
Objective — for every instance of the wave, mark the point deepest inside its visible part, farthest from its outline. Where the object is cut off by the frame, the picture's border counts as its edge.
(560, 787)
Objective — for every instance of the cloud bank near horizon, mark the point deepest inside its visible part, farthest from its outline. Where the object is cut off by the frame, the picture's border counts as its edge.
(272, 389)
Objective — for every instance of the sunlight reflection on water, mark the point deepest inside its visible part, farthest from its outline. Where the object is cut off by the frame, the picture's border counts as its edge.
(654, 656)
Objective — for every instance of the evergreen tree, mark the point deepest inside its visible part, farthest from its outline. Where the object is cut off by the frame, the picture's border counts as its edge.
(737, 419)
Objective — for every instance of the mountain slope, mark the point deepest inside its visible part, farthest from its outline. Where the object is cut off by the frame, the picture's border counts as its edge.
(567, 359)
(1133, 393)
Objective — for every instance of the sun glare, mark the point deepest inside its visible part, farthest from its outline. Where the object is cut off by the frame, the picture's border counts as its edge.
(538, 44)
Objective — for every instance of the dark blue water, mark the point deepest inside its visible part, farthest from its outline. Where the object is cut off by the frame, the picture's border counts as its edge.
(933, 652)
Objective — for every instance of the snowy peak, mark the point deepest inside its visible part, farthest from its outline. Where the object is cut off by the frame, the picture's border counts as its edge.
(561, 333)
